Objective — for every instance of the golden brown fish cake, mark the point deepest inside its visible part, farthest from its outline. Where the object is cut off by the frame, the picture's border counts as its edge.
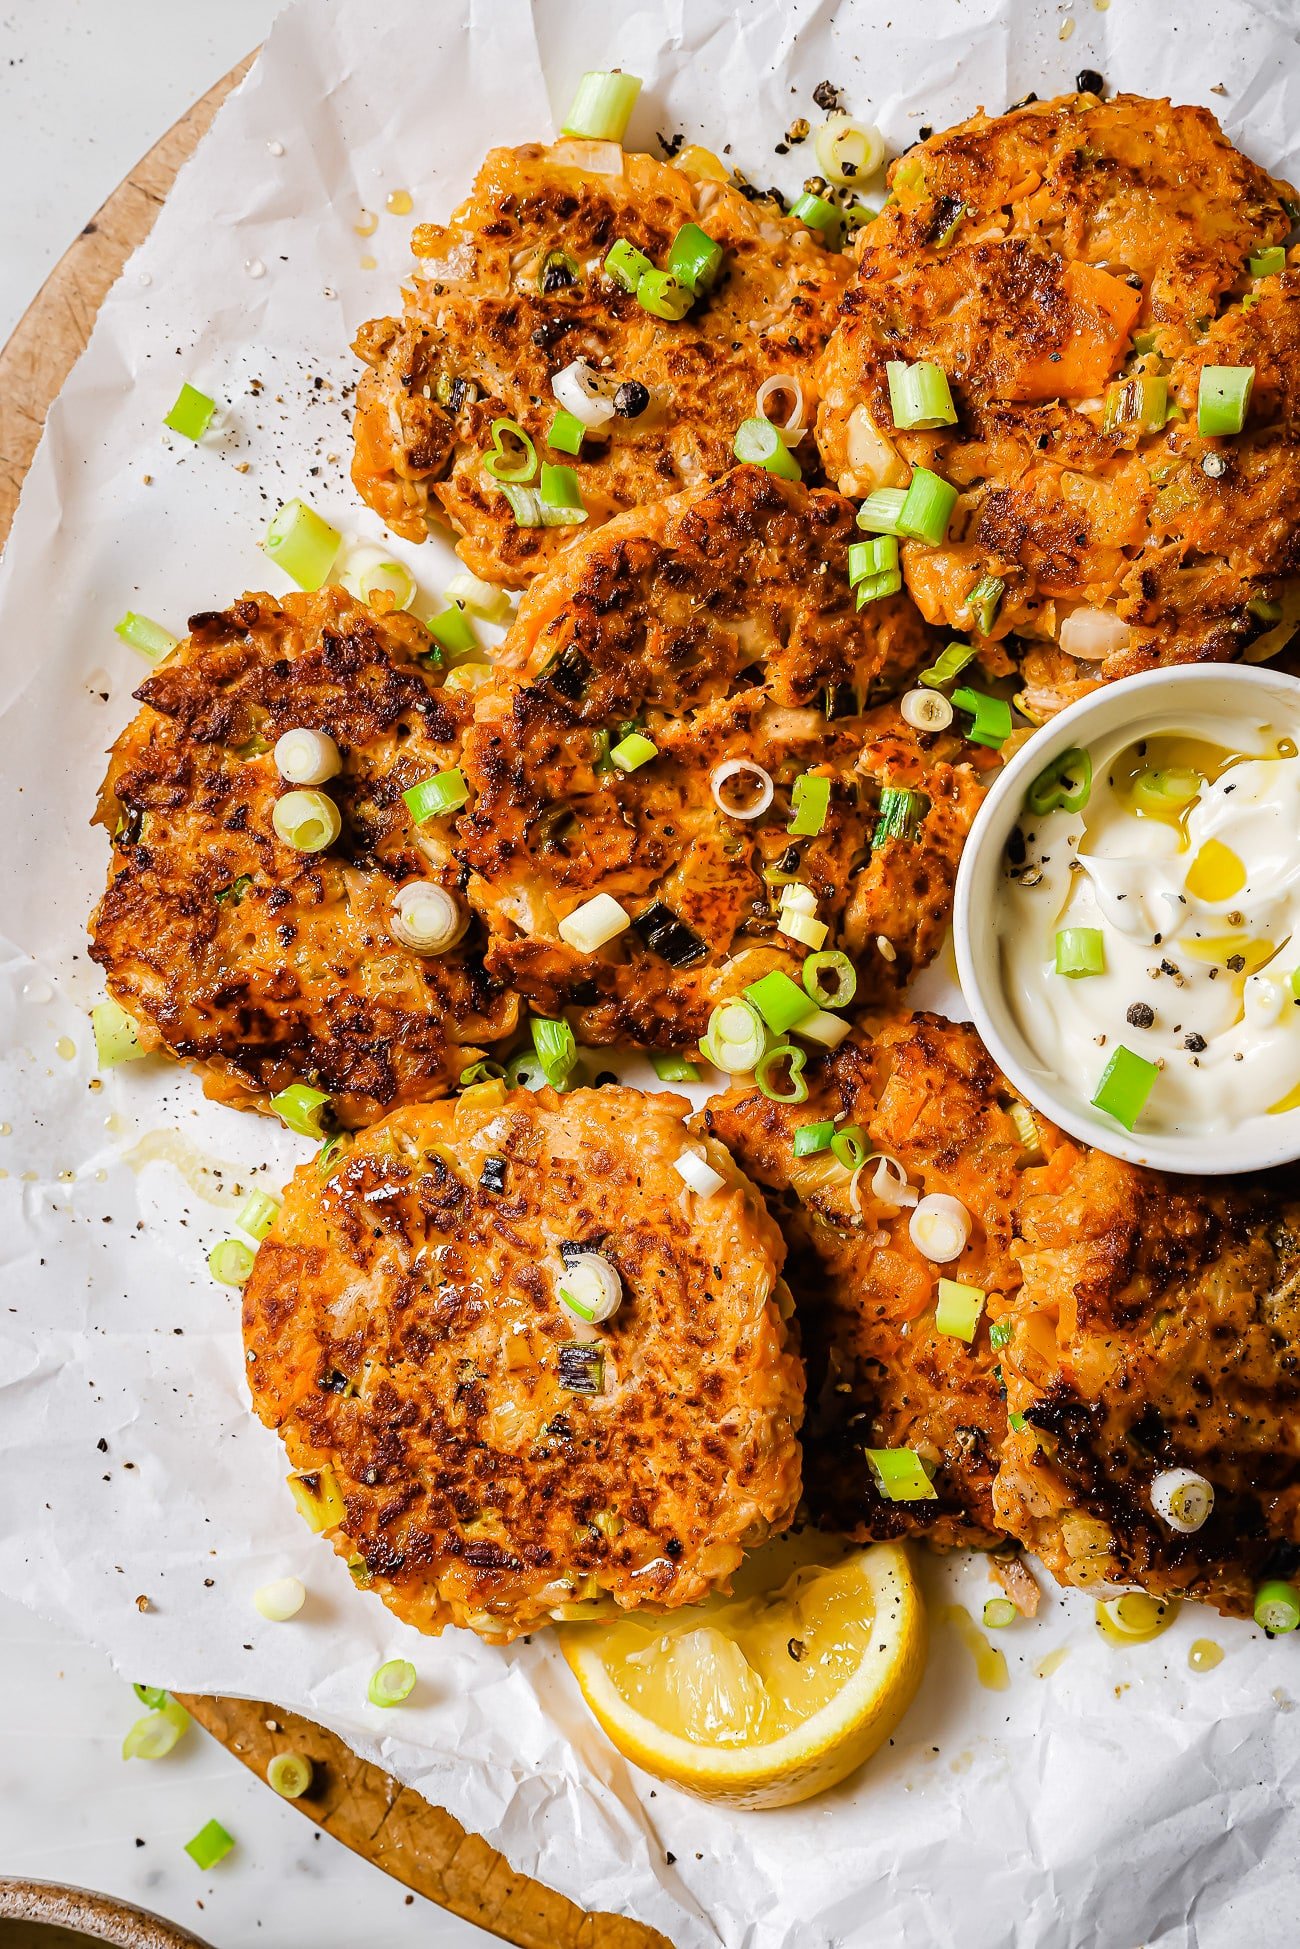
(720, 624)
(480, 339)
(1157, 1327)
(264, 965)
(1041, 258)
(405, 1338)
(879, 1373)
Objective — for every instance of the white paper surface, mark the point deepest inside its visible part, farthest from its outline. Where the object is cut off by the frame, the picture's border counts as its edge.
(1123, 1799)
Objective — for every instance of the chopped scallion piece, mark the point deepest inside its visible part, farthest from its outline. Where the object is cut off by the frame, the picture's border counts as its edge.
(556, 1049)
(869, 558)
(434, 797)
(289, 1775)
(153, 1737)
(191, 416)
(823, 1028)
(999, 1612)
(593, 924)
(498, 461)
(230, 1262)
(146, 636)
(950, 664)
(810, 804)
(1268, 260)
(958, 1309)
(850, 1146)
(1277, 1607)
(875, 587)
(991, 716)
(480, 598)
(151, 1695)
(797, 926)
(392, 1683)
(901, 1475)
(633, 751)
(821, 216)
(1141, 401)
(780, 1001)
(559, 488)
(675, 1069)
(626, 265)
(842, 986)
(796, 1090)
(1016, 1422)
(581, 1368)
(984, 601)
(810, 1139)
(117, 1037)
(901, 813)
(453, 631)
(602, 106)
(735, 1038)
(566, 433)
(1000, 1333)
(759, 443)
(299, 1108)
(210, 1845)
(1124, 1086)
(879, 513)
(927, 507)
(662, 296)
(257, 1214)
(1222, 398)
(1065, 785)
(1080, 951)
(318, 1498)
(694, 259)
(919, 395)
(303, 544)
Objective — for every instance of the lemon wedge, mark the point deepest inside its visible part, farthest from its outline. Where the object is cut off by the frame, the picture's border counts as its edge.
(774, 1693)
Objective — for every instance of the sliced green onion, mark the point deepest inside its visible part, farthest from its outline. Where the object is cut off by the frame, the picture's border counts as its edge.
(999, 1612)
(851, 1147)
(453, 632)
(626, 265)
(148, 637)
(954, 212)
(874, 588)
(950, 663)
(434, 798)
(984, 601)
(303, 544)
(388, 579)
(151, 1695)
(257, 1214)
(1026, 1127)
(823, 1028)
(392, 1683)
(117, 1037)
(1000, 1333)
(991, 716)
(927, 507)
(602, 106)
(1124, 1086)
(759, 443)
(480, 598)
(1016, 1422)
(559, 488)
(958, 1309)
(662, 296)
(531, 511)
(1141, 401)
(796, 1060)
(810, 803)
(901, 1475)
(331, 1154)
(868, 558)
(282, 1599)
(780, 1001)
(232, 895)
(735, 1038)
(304, 757)
(1162, 792)
(556, 1049)
(191, 416)
(318, 1498)
(153, 1737)
(1080, 951)
(484, 1071)
(1223, 398)
(843, 979)
(524, 1071)
(299, 1108)
(289, 1775)
(1268, 260)
(847, 151)
(581, 1368)
(633, 751)
(566, 433)
(1065, 785)
(810, 1139)
(498, 462)
(879, 513)
(1277, 1607)
(230, 1262)
(675, 1069)
(694, 259)
(919, 395)
(210, 1845)
(819, 215)
(901, 813)
(306, 820)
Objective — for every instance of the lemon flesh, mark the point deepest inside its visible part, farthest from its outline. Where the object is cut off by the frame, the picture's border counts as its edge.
(774, 1693)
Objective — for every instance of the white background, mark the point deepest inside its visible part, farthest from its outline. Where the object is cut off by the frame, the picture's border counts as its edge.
(86, 87)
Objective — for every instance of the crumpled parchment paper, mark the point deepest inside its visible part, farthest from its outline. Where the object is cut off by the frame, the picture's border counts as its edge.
(1117, 1798)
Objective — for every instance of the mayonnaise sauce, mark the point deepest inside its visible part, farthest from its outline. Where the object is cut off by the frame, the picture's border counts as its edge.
(1186, 858)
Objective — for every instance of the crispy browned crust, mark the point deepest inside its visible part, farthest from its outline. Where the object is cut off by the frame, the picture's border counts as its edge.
(1158, 1326)
(401, 1326)
(719, 622)
(879, 1374)
(1156, 198)
(476, 318)
(299, 978)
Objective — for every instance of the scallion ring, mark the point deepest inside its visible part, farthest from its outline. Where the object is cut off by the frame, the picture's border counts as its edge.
(392, 579)
(499, 463)
(761, 444)
(889, 1185)
(153, 1737)
(392, 1683)
(307, 821)
(783, 385)
(230, 1262)
(1064, 785)
(735, 1039)
(830, 979)
(848, 151)
(279, 1601)
(699, 1174)
(304, 757)
(1183, 1499)
(849, 1146)
(289, 1775)
(427, 918)
(939, 1227)
(926, 710)
(796, 1061)
(762, 789)
(581, 391)
(590, 1287)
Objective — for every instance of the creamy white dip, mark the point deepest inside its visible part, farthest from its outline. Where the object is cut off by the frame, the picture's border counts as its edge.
(1186, 861)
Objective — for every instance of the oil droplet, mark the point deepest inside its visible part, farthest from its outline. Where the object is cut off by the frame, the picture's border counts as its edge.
(1067, 28)
(30, 1177)
(1204, 1655)
(366, 224)
(101, 1177)
(990, 1664)
(399, 202)
(67, 1177)
(6, 1130)
(4, 1174)
(66, 1048)
(1102, 6)
(146, 278)
(36, 989)
(208, 1178)
(368, 263)
(275, 148)
(1216, 873)
(255, 267)
(1052, 1662)
(1134, 1618)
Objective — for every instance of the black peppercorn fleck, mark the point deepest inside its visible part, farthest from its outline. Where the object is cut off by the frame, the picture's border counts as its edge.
(631, 399)
(1195, 1043)
(1140, 1016)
